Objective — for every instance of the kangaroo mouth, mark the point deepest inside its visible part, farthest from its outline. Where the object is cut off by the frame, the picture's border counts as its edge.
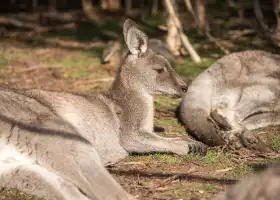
(173, 96)
(105, 62)
(170, 93)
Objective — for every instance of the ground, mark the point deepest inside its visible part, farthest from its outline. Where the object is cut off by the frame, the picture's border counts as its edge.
(59, 62)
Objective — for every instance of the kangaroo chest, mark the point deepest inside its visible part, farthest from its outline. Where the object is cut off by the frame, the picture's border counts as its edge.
(137, 114)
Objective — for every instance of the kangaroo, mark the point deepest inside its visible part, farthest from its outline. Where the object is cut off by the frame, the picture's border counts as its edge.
(235, 95)
(54, 145)
(114, 53)
(262, 186)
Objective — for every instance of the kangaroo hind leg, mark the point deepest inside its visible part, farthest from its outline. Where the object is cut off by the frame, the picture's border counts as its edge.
(38, 181)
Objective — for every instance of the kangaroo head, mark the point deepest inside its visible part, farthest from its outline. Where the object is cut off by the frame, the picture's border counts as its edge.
(145, 70)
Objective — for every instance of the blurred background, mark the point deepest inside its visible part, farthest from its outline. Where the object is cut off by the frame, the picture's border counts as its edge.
(77, 45)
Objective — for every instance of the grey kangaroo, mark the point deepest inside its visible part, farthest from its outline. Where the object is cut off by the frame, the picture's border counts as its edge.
(54, 145)
(114, 53)
(264, 185)
(235, 95)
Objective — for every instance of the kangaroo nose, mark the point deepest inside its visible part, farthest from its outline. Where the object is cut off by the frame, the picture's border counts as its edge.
(184, 88)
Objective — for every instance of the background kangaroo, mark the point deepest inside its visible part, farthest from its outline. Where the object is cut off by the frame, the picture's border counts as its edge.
(114, 53)
(238, 93)
(55, 145)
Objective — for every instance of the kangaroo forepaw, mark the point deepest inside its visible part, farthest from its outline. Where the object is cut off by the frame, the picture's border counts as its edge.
(253, 142)
(196, 147)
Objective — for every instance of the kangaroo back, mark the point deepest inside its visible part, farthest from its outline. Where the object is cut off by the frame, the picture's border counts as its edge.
(239, 92)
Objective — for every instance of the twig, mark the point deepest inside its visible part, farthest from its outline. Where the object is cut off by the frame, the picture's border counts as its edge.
(215, 40)
(20, 24)
(38, 67)
(168, 181)
(259, 15)
(94, 81)
(224, 170)
(236, 34)
(194, 55)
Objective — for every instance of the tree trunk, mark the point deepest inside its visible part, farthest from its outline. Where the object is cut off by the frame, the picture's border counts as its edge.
(52, 5)
(173, 38)
(104, 4)
(259, 15)
(185, 41)
(201, 15)
(191, 10)
(88, 10)
(155, 7)
(110, 4)
(277, 14)
(128, 6)
(34, 5)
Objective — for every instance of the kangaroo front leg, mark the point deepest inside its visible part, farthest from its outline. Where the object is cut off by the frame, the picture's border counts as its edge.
(243, 138)
(148, 142)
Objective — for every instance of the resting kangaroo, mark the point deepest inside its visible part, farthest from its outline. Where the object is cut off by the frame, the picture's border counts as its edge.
(261, 186)
(55, 145)
(238, 93)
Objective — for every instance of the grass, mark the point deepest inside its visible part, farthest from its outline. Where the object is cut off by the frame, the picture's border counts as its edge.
(241, 170)
(13, 194)
(275, 142)
(167, 158)
(211, 157)
(4, 62)
(191, 69)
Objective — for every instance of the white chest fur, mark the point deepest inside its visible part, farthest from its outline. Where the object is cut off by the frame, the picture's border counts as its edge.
(9, 154)
(148, 121)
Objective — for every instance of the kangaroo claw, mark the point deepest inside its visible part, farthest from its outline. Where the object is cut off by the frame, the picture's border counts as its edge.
(253, 142)
(196, 147)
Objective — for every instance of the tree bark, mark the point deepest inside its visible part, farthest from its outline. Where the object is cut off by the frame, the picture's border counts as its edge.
(128, 5)
(173, 39)
(191, 10)
(201, 15)
(52, 5)
(110, 4)
(259, 15)
(34, 5)
(277, 14)
(185, 41)
(155, 7)
(88, 10)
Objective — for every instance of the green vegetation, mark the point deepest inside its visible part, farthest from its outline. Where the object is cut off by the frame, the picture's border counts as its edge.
(13, 194)
(4, 62)
(211, 157)
(275, 142)
(192, 69)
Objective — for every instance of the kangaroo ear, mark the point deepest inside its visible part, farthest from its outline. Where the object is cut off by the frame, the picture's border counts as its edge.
(135, 39)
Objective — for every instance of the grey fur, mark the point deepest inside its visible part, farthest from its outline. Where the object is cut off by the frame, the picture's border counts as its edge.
(114, 53)
(262, 186)
(55, 145)
(237, 94)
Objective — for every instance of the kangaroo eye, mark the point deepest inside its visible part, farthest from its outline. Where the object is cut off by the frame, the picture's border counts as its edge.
(184, 89)
(159, 70)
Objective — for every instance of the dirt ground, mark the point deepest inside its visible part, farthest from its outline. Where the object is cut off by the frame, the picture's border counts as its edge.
(63, 65)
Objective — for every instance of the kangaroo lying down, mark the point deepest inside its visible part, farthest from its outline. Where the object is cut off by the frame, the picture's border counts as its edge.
(55, 145)
(262, 186)
(238, 93)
